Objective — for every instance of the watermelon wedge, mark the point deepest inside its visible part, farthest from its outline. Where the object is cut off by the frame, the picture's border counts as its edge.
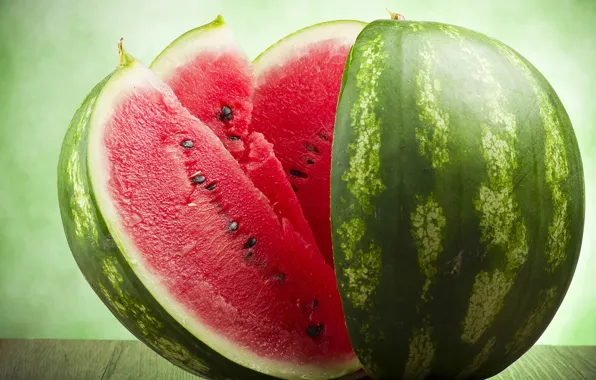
(184, 248)
(297, 86)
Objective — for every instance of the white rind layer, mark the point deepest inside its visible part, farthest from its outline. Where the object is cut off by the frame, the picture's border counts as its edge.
(297, 43)
(215, 37)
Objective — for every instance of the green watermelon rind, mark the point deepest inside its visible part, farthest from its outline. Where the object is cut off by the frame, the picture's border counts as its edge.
(408, 297)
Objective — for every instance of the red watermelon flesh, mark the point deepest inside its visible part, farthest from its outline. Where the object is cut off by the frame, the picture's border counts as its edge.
(213, 79)
(207, 242)
(265, 171)
(297, 87)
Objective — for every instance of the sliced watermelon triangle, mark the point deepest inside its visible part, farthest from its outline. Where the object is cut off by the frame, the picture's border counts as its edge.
(297, 87)
(198, 236)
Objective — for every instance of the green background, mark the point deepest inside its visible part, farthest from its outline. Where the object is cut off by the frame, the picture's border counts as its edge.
(52, 52)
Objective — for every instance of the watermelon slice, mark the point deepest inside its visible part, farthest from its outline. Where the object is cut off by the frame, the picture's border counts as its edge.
(184, 248)
(297, 86)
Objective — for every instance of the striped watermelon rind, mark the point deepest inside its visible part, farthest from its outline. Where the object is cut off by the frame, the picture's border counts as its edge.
(457, 201)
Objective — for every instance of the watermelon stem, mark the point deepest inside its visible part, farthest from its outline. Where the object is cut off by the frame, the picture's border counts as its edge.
(124, 57)
(395, 16)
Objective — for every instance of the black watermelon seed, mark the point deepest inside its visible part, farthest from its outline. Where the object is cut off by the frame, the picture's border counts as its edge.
(233, 226)
(311, 148)
(233, 137)
(315, 304)
(211, 186)
(310, 162)
(198, 179)
(281, 277)
(226, 113)
(250, 243)
(187, 144)
(298, 173)
(314, 331)
(323, 136)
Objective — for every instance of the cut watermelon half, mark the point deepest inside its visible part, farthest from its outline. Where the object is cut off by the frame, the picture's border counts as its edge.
(181, 215)
(203, 239)
(297, 86)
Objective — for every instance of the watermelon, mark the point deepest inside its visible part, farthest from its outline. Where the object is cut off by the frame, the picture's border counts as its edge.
(457, 201)
(297, 85)
(182, 238)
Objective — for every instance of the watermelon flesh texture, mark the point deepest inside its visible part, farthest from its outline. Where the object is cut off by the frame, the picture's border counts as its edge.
(228, 79)
(294, 108)
(265, 171)
(257, 286)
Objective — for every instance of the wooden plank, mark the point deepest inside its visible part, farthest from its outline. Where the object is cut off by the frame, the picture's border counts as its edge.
(583, 359)
(134, 360)
(543, 363)
(130, 360)
(54, 359)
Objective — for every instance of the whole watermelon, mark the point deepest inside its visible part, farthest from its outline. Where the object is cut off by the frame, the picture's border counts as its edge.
(457, 201)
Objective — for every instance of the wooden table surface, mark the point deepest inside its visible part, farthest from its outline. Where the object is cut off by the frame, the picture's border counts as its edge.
(131, 360)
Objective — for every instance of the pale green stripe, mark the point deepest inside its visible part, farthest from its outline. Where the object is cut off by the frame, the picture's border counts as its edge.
(544, 303)
(428, 223)
(362, 175)
(433, 132)
(363, 178)
(557, 170)
(363, 274)
(488, 294)
(479, 359)
(80, 203)
(128, 308)
(125, 306)
(555, 161)
(501, 222)
(421, 354)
